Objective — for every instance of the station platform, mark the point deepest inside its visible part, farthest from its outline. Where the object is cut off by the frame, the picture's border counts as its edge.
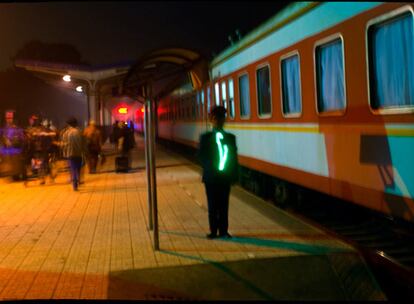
(95, 243)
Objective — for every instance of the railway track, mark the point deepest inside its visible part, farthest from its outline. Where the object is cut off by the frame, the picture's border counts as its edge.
(386, 244)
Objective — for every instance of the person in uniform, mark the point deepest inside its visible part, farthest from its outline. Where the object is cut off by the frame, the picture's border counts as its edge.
(218, 157)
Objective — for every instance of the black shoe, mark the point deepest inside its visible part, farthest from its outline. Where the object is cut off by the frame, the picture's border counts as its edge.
(225, 235)
(211, 236)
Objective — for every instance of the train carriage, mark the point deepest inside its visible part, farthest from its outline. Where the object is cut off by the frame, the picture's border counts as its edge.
(320, 96)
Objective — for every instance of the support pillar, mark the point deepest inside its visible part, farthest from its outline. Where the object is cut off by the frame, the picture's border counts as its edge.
(92, 106)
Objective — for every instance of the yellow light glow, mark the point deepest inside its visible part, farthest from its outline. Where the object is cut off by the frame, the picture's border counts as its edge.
(123, 110)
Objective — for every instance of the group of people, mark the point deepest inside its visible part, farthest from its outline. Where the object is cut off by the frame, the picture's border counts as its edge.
(77, 146)
(36, 149)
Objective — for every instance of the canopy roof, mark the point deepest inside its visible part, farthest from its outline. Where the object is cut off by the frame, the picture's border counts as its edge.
(52, 72)
(160, 72)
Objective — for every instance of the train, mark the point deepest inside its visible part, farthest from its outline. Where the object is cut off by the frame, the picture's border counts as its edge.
(320, 97)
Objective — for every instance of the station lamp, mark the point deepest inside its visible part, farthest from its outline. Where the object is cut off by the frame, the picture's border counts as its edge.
(79, 89)
(66, 78)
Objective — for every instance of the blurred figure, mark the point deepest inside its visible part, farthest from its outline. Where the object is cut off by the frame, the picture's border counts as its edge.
(73, 150)
(52, 126)
(28, 148)
(128, 142)
(93, 139)
(41, 145)
(116, 134)
(12, 141)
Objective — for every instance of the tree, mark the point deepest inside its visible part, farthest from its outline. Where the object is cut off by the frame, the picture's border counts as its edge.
(51, 52)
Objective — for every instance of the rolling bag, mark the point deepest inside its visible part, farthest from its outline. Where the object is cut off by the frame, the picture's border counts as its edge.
(121, 164)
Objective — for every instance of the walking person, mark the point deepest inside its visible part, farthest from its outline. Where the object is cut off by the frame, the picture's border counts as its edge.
(73, 150)
(93, 144)
(218, 156)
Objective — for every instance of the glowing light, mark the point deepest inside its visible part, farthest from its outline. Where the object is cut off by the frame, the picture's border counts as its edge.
(66, 78)
(79, 89)
(222, 151)
(123, 110)
(142, 110)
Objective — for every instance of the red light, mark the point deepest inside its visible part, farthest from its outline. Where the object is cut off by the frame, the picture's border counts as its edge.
(123, 110)
(9, 114)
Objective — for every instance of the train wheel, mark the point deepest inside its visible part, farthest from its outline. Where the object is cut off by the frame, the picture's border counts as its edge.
(281, 194)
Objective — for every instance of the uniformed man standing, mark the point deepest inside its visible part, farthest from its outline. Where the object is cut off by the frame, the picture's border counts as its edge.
(218, 157)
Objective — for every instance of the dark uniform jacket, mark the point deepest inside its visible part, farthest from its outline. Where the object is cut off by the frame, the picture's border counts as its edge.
(209, 157)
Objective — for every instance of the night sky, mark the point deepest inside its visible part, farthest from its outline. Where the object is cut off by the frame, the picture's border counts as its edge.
(111, 32)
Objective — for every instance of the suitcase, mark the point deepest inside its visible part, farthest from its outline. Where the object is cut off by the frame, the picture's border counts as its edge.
(121, 164)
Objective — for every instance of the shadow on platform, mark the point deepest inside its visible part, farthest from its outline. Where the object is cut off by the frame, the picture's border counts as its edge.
(334, 277)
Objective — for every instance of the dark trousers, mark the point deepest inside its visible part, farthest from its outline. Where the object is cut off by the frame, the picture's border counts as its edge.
(75, 164)
(218, 207)
(93, 161)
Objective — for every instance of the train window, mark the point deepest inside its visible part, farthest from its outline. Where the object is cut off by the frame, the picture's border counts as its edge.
(330, 76)
(244, 96)
(217, 94)
(224, 94)
(263, 91)
(391, 63)
(231, 98)
(208, 100)
(290, 78)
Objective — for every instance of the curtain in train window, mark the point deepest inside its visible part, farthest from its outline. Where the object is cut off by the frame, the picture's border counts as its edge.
(291, 85)
(391, 56)
(263, 90)
(224, 95)
(217, 91)
(231, 98)
(202, 103)
(208, 100)
(244, 95)
(330, 76)
(198, 104)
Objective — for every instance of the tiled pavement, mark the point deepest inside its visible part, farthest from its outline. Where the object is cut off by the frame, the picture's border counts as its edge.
(95, 244)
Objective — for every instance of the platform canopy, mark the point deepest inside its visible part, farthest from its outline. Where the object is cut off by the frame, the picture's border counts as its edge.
(160, 72)
(90, 78)
(52, 72)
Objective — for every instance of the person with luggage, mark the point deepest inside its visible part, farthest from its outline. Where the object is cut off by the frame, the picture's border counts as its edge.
(218, 156)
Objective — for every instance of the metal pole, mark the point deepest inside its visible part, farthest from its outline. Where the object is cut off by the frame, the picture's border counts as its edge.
(91, 100)
(147, 160)
(153, 174)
